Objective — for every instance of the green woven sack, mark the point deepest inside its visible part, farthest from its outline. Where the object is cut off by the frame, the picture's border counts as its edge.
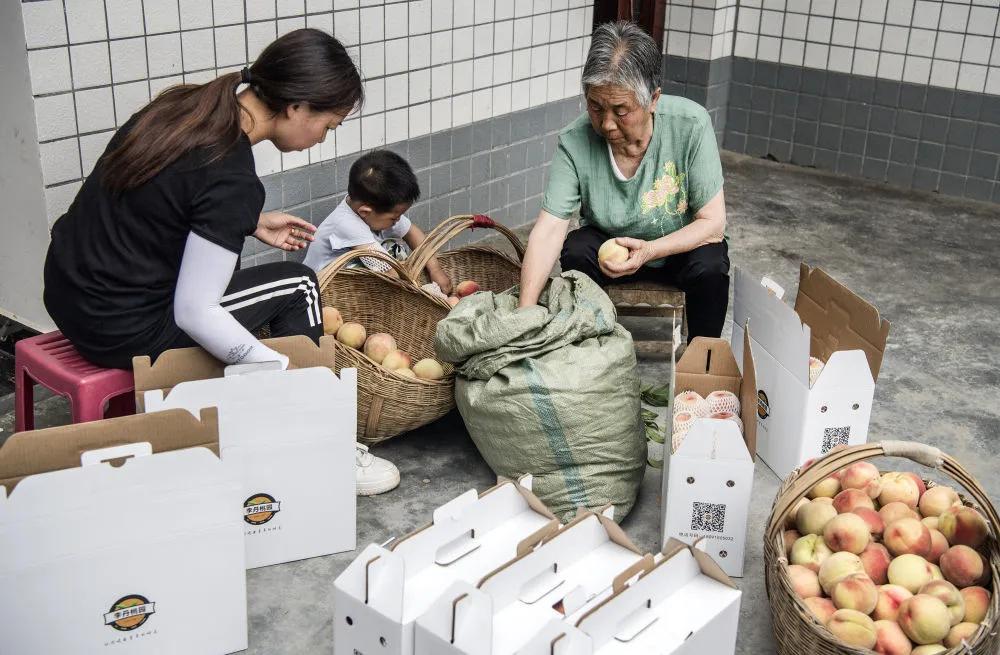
(551, 390)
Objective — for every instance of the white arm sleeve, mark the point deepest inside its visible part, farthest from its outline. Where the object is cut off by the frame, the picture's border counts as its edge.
(206, 270)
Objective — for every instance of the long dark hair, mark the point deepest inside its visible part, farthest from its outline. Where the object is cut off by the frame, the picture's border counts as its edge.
(305, 66)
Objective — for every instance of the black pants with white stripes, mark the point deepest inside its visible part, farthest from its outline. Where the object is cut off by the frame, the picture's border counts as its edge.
(282, 296)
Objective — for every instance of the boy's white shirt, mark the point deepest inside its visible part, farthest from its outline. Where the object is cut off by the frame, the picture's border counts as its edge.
(343, 230)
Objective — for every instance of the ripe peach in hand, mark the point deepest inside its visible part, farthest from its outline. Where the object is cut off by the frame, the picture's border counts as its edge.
(896, 510)
(805, 582)
(910, 572)
(937, 499)
(838, 566)
(890, 640)
(964, 526)
(890, 597)
(899, 487)
(962, 566)
(874, 520)
(853, 628)
(977, 602)
(948, 594)
(396, 359)
(466, 288)
(907, 536)
(610, 251)
(849, 499)
(813, 517)
(825, 488)
(876, 559)
(924, 619)
(822, 608)
(855, 592)
(352, 334)
(938, 547)
(959, 633)
(847, 532)
(863, 476)
(810, 551)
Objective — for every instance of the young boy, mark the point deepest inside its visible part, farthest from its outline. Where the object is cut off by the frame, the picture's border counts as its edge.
(380, 189)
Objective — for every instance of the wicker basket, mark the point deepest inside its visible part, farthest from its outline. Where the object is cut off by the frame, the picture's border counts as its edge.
(389, 404)
(796, 630)
(492, 269)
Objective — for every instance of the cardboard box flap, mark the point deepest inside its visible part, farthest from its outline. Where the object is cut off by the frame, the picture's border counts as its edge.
(748, 395)
(186, 364)
(708, 566)
(839, 318)
(58, 448)
(707, 365)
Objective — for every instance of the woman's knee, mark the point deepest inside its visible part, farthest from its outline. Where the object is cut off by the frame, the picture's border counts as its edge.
(709, 266)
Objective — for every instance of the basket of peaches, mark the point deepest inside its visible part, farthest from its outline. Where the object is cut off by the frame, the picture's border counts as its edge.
(861, 560)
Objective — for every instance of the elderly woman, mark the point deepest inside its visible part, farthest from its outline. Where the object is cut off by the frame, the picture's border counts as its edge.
(644, 169)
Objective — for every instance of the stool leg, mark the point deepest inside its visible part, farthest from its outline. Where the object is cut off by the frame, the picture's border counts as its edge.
(24, 400)
(121, 405)
(86, 407)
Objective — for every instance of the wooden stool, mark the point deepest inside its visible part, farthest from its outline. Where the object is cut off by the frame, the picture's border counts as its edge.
(653, 299)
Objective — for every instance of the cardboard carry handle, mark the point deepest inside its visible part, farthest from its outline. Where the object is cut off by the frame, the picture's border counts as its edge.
(643, 566)
(125, 451)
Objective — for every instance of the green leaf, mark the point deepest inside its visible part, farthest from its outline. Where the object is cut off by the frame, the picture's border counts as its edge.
(648, 416)
(657, 396)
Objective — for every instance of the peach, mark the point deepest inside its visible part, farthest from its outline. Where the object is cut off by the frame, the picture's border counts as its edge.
(890, 597)
(977, 602)
(853, 628)
(929, 649)
(847, 532)
(378, 345)
(924, 619)
(813, 517)
(428, 369)
(961, 633)
(936, 572)
(917, 480)
(397, 359)
(876, 559)
(962, 566)
(405, 372)
(822, 608)
(810, 551)
(931, 522)
(907, 536)
(937, 499)
(848, 499)
(352, 334)
(910, 572)
(610, 251)
(332, 320)
(825, 488)
(894, 511)
(838, 566)
(805, 582)
(938, 546)
(466, 288)
(863, 476)
(872, 518)
(793, 513)
(948, 594)
(790, 537)
(899, 487)
(890, 640)
(855, 592)
(453, 300)
(824, 500)
(964, 526)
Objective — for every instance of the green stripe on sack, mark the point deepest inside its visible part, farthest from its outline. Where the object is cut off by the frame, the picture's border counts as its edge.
(554, 434)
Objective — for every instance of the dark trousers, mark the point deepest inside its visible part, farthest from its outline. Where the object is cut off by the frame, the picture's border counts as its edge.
(702, 274)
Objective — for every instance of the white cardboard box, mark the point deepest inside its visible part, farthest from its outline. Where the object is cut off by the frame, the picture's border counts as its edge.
(142, 555)
(290, 434)
(708, 481)
(382, 592)
(829, 321)
(514, 609)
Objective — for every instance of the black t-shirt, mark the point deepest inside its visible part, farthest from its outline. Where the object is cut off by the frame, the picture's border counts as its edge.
(113, 261)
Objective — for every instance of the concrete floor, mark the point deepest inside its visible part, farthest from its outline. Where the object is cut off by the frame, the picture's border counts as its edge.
(928, 263)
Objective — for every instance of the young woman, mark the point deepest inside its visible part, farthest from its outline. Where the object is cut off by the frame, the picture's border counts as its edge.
(144, 258)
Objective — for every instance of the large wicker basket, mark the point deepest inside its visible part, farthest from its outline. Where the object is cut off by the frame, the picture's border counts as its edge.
(796, 629)
(493, 269)
(389, 404)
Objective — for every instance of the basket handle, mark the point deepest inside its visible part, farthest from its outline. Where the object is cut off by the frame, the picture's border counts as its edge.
(327, 274)
(448, 229)
(920, 453)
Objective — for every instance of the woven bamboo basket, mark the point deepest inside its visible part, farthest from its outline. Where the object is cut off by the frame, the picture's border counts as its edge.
(492, 269)
(389, 404)
(796, 629)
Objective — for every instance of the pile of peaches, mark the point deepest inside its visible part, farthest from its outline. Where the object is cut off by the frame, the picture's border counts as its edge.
(887, 563)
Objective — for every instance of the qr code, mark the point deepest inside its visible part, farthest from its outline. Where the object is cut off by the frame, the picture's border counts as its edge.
(835, 437)
(708, 517)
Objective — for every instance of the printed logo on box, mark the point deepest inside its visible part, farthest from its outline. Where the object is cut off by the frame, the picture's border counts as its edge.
(763, 407)
(260, 508)
(129, 612)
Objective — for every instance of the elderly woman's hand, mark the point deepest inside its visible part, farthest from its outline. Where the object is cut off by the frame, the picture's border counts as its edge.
(640, 252)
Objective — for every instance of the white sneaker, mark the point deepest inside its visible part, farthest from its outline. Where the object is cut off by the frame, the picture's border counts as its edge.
(374, 474)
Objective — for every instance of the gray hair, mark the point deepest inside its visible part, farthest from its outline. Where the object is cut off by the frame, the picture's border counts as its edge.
(622, 54)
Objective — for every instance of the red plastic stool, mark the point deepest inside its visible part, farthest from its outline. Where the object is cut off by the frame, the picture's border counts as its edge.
(51, 361)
